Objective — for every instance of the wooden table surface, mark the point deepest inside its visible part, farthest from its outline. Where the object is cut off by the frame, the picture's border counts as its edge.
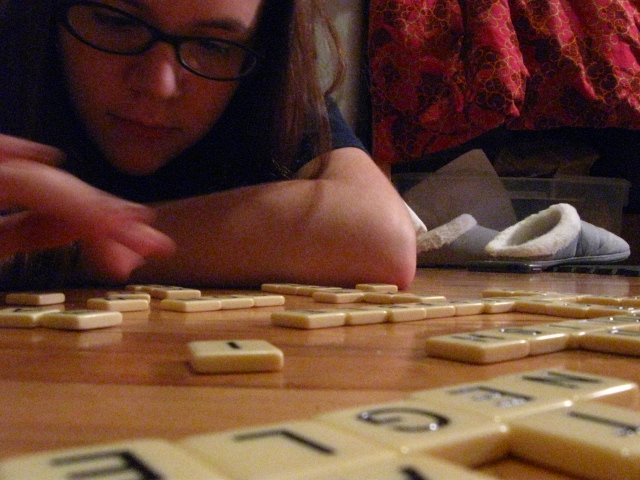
(62, 389)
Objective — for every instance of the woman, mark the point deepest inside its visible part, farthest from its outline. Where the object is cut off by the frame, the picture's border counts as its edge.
(211, 113)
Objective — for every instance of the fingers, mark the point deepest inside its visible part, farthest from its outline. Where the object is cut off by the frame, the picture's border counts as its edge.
(14, 148)
(56, 208)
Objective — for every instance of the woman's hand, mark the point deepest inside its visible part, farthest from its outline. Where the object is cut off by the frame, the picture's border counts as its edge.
(51, 208)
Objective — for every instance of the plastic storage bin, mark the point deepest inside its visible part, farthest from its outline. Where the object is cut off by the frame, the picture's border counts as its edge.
(598, 200)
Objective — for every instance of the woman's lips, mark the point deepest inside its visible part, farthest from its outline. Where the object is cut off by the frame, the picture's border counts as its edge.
(142, 129)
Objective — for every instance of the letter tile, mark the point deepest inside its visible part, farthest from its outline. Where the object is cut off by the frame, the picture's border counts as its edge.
(267, 300)
(541, 340)
(174, 292)
(616, 340)
(345, 295)
(406, 467)
(81, 319)
(199, 304)
(147, 459)
(589, 440)
(34, 298)
(309, 318)
(23, 317)
(118, 304)
(286, 451)
(476, 347)
(364, 315)
(222, 356)
(574, 386)
(415, 426)
(492, 400)
(377, 287)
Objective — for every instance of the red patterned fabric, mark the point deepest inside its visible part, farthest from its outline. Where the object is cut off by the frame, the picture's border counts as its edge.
(446, 71)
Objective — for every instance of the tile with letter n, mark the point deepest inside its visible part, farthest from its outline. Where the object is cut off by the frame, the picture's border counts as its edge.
(574, 386)
(590, 440)
(286, 451)
(146, 459)
(416, 426)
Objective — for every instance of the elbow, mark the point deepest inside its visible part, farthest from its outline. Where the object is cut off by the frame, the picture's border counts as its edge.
(402, 267)
(396, 257)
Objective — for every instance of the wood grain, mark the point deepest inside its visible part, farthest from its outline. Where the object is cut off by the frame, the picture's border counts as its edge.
(63, 389)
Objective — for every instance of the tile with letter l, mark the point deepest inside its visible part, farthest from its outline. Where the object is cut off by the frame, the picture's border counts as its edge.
(476, 347)
(284, 451)
(226, 356)
(492, 401)
(407, 467)
(590, 440)
(139, 459)
(574, 386)
(415, 426)
(615, 340)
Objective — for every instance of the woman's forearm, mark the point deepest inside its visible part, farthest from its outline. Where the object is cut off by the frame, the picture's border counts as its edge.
(343, 228)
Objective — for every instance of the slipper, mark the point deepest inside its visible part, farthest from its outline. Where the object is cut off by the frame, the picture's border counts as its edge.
(455, 243)
(557, 236)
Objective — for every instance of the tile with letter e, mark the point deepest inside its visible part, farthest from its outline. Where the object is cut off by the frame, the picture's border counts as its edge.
(590, 440)
(346, 295)
(498, 305)
(415, 426)
(81, 319)
(267, 299)
(405, 312)
(467, 307)
(476, 347)
(222, 356)
(406, 467)
(284, 451)
(23, 317)
(493, 401)
(377, 287)
(118, 304)
(34, 298)
(364, 315)
(615, 340)
(173, 292)
(541, 340)
(574, 386)
(309, 318)
(139, 459)
(197, 304)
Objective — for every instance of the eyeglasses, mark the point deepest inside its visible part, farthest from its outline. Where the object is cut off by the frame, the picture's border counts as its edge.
(111, 30)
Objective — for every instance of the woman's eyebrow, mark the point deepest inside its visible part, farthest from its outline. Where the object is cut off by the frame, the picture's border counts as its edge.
(230, 25)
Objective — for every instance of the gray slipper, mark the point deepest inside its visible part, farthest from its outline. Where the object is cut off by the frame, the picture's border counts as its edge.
(455, 243)
(556, 236)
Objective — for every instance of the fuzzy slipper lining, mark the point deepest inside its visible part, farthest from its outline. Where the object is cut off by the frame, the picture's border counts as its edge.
(541, 234)
(447, 233)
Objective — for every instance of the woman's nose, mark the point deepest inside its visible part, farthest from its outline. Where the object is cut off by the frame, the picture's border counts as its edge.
(157, 72)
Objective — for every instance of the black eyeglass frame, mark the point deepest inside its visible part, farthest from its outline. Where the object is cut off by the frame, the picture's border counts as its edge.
(251, 60)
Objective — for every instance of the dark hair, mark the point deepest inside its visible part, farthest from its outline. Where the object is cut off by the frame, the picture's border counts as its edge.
(284, 101)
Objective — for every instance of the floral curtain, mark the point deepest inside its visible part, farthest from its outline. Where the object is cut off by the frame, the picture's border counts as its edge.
(446, 71)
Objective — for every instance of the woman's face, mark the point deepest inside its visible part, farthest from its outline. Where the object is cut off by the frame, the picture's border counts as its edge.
(143, 110)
